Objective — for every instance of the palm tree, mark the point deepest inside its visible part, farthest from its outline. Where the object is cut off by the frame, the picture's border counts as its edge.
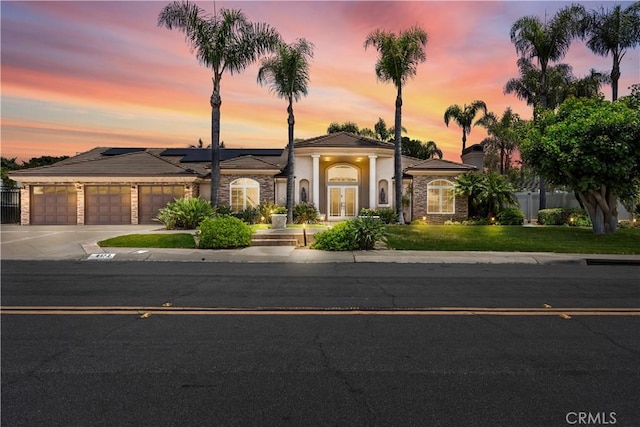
(399, 57)
(547, 42)
(503, 135)
(224, 42)
(430, 150)
(613, 32)
(464, 116)
(287, 75)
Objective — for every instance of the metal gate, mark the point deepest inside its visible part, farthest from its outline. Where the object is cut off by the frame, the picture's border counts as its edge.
(9, 206)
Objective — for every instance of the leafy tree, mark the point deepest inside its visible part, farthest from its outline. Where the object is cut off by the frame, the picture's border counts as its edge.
(590, 145)
(464, 116)
(287, 75)
(419, 150)
(547, 42)
(471, 185)
(36, 162)
(224, 42)
(398, 60)
(351, 127)
(612, 31)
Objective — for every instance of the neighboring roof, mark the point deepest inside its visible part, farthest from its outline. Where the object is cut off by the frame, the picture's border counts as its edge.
(439, 165)
(343, 139)
(140, 163)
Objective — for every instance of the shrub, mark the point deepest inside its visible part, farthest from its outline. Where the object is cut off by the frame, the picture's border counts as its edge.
(250, 215)
(222, 210)
(265, 211)
(368, 231)
(564, 216)
(477, 221)
(185, 213)
(341, 237)
(387, 215)
(279, 210)
(223, 232)
(305, 213)
(510, 216)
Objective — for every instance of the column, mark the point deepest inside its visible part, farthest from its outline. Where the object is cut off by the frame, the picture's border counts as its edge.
(316, 181)
(373, 186)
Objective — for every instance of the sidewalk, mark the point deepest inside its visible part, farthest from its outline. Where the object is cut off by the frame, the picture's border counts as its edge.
(80, 243)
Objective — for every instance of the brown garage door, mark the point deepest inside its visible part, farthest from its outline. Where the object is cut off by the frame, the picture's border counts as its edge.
(107, 204)
(153, 197)
(53, 204)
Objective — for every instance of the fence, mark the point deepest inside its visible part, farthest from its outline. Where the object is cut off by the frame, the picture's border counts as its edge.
(9, 206)
(530, 201)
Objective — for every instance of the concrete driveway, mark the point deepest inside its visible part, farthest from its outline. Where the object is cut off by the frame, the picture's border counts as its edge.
(60, 241)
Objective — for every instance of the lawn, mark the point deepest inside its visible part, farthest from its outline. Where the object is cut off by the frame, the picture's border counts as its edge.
(513, 239)
(171, 240)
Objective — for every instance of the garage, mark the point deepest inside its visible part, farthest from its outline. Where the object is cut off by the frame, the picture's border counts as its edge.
(153, 197)
(53, 205)
(107, 204)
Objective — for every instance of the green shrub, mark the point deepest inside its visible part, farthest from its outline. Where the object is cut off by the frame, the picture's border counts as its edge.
(266, 209)
(185, 213)
(368, 231)
(279, 210)
(477, 221)
(564, 216)
(340, 237)
(305, 213)
(250, 215)
(223, 232)
(510, 216)
(387, 215)
(222, 210)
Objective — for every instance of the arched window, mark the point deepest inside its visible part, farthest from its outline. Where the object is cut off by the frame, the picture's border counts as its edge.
(245, 193)
(440, 197)
(342, 173)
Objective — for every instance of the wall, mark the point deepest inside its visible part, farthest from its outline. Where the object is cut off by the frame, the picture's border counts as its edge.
(419, 202)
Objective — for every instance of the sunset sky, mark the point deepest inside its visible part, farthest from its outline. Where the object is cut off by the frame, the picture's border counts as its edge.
(76, 75)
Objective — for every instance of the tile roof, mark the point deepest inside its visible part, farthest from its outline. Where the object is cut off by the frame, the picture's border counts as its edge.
(343, 139)
(249, 162)
(438, 164)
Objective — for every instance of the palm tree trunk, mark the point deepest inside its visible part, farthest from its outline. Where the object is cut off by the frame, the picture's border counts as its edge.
(290, 163)
(216, 102)
(464, 140)
(615, 76)
(397, 156)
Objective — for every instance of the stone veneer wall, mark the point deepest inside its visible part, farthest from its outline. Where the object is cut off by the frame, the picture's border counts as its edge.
(267, 187)
(25, 200)
(419, 204)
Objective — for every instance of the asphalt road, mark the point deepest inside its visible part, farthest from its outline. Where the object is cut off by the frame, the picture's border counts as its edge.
(482, 345)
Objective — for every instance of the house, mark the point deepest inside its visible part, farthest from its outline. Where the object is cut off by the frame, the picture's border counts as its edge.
(339, 173)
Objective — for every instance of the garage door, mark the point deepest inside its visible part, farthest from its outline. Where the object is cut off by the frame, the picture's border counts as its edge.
(53, 204)
(107, 204)
(153, 197)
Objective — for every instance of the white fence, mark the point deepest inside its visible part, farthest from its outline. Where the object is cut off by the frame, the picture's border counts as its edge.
(530, 201)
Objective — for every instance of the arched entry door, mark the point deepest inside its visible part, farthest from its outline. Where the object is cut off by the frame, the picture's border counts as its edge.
(342, 191)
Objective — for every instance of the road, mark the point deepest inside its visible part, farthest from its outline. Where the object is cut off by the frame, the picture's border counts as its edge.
(182, 343)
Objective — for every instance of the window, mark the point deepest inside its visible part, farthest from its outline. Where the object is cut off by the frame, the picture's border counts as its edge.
(342, 173)
(245, 193)
(440, 197)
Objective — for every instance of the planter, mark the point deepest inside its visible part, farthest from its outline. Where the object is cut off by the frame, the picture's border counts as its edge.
(278, 221)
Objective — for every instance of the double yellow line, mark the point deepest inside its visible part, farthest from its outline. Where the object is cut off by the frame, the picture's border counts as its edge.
(147, 311)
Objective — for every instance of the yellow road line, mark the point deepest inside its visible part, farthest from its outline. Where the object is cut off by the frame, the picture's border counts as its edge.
(315, 311)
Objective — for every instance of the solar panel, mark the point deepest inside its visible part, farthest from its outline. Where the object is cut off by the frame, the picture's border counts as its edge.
(175, 151)
(119, 151)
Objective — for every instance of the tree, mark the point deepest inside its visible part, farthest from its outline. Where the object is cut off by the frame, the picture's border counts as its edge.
(503, 136)
(590, 145)
(612, 31)
(224, 42)
(464, 116)
(419, 150)
(287, 75)
(487, 193)
(398, 60)
(351, 127)
(547, 42)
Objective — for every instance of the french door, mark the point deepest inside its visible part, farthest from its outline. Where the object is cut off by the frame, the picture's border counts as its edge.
(343, 201)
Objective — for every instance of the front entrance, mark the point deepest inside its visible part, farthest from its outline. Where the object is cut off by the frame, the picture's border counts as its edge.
(343, 201)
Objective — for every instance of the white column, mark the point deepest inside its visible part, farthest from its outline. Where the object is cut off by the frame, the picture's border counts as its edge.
(373, 187)
(316, 181)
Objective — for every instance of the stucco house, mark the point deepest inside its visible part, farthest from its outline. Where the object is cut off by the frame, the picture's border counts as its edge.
(339, 173)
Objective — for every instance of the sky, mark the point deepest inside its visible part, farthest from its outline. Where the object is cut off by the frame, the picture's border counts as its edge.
(82, 74)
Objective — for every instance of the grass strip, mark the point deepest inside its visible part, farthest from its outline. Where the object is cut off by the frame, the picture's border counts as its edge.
(169, 240)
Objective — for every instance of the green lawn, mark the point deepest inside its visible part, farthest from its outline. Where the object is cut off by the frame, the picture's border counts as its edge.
(172, 240)
(512, 239)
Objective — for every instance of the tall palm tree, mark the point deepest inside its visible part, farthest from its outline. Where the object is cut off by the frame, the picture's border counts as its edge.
(398, 60)
(224, 42)
(613, 31)
(287, 75)
(430, 150)
(464, 116)
(547, 42)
